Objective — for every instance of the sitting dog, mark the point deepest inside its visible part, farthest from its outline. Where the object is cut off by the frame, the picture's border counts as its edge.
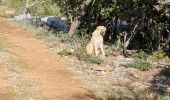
(96, 42)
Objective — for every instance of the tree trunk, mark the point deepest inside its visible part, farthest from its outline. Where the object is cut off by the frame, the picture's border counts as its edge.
(169, 48)
(127, 41)
(80, 13)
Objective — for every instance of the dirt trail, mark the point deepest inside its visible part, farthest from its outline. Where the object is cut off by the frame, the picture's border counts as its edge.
(54, 80)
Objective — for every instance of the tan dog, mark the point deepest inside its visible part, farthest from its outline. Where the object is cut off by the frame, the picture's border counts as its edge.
(96, 42)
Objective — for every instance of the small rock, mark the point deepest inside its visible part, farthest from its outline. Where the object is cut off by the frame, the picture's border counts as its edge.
(31, 99)
(72, 50)
(115, 63)
(98, 71)
(12, 12)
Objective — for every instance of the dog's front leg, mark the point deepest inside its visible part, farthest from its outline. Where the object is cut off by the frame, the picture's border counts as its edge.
(102, 49)
(95, 49)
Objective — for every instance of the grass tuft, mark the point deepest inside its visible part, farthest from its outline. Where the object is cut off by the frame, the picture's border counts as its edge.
(81, 55)
(141, 65)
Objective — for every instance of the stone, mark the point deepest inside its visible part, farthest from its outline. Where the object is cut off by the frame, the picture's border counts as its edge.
(10, 12)
(23, 17)
(115, 63)
(72, 50)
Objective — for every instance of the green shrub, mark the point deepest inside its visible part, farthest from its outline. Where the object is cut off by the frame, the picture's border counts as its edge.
(110, 47)
(88, 58)
(141, 55)
(159, 55)
(141, 65)
(64, 52)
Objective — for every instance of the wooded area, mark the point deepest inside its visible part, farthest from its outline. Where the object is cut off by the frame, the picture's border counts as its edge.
(138, 24)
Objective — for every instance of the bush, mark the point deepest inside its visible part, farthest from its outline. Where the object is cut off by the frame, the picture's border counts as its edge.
(141, 65)
(159, 55)
(141, 55)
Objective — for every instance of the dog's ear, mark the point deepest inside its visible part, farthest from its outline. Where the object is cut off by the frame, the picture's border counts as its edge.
(98, 28)
(104, 29)
(101, 29)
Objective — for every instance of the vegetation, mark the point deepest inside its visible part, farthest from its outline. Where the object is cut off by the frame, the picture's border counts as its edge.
(146, 23)
(36, 7)
(141, 56)
(140, 25)
(141, 65)
(81, 55)
(131, 24)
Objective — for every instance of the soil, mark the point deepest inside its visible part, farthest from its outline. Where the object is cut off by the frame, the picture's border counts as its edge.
(53, 80)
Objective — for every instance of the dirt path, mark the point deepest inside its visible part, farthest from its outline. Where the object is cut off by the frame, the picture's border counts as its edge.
(54, 81)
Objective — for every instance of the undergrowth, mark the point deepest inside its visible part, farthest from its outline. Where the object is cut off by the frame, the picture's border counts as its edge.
(140, 62)
(81, 55)
(141, 65)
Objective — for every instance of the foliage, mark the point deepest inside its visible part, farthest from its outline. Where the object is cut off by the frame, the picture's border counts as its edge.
(159, 55)
(39, 9)
(146, 26)
(81, 55)
(151, 24)
(12, 3)
(69, 7)
(64, 52)
(141, 65)
(141, 55)
(46, 9)
(140, 62)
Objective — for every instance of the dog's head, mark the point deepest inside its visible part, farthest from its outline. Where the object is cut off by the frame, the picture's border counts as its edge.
(102, 29)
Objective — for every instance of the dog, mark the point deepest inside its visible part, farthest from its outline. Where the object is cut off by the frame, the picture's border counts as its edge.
(95, 45)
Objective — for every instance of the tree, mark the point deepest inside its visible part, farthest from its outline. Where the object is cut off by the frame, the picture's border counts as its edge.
(146, 20)
(81, 12)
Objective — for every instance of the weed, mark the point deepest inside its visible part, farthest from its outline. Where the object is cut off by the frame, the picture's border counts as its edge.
(64, 52)
(74, 39)
(159, 55)
(119, 45)
(141, 65)
(109, 47)
(141, 55)
(81, 55)
(83, 41)
(88, 58)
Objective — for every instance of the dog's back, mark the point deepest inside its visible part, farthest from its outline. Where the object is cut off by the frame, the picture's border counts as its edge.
(96, 41)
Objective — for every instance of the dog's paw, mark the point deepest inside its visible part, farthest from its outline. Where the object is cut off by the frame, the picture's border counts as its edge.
(103, 56)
